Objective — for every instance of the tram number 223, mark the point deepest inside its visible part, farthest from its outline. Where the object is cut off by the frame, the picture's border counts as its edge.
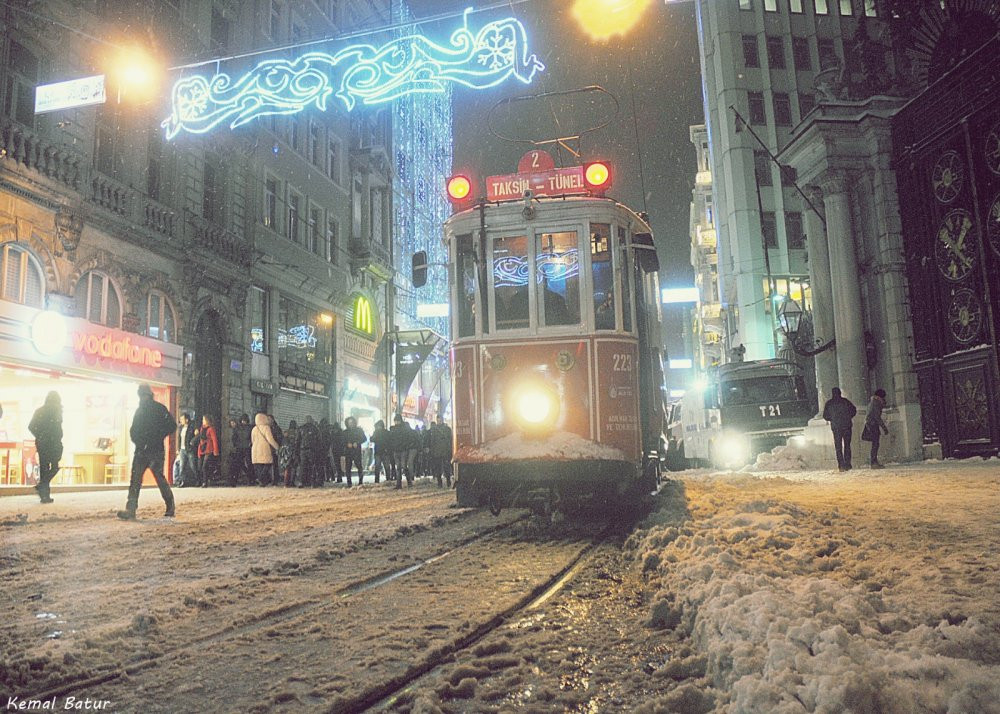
(770, 410)
(622, 362)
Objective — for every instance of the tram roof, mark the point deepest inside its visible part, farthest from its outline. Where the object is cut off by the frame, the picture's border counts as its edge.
(572, 202)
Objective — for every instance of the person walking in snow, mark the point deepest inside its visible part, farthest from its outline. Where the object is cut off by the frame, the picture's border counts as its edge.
(381, 449)
(46, 427)
(354, 438)
(151, 424)
(875, 426)
(263, 446)
(405, 444)
(310, 452)
(840, 412)
(288, 454)
(208, 450)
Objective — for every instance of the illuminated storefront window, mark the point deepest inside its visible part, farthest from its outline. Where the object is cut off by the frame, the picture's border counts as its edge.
(304, 337)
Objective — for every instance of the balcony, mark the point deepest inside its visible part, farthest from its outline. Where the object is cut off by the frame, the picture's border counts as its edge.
(33, 151)
(219, 241)
(372, 257)
(157, 217)
(111, 195)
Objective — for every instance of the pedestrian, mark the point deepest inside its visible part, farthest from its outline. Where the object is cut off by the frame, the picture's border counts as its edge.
(839, 411)
(441, 448)
(354, 439)
(234, 467)
(279, 436)
(288, 454)
(262, 448)
(186, 458)
(241, 451)
(151, 424)
(338, 446)
(875, 426)
(405, 443)
(208, 451)
(46, 427)
(310, 468)
(380, 451)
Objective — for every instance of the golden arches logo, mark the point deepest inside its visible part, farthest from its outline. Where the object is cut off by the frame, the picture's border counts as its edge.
(363, 315)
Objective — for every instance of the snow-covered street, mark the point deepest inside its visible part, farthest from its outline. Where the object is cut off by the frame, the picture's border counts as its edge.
(871, 591)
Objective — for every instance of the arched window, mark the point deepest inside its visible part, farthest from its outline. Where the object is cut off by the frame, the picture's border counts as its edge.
(160, 323)
(20, 276)
(98, 300)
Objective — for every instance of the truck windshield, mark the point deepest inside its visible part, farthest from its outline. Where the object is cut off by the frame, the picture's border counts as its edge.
(759, 390)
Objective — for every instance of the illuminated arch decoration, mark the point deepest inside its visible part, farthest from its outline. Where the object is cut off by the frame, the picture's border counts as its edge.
(362, 319)
(370, 75)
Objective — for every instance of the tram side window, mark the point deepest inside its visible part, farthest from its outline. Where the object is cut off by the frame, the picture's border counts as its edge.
(510, 282)
(604, 277)
(466, 285)
(626, 280)
(557, 265)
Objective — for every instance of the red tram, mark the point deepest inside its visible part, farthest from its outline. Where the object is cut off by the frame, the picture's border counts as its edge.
(555, 360)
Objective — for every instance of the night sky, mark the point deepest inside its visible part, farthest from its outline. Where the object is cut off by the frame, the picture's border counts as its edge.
(659, 58)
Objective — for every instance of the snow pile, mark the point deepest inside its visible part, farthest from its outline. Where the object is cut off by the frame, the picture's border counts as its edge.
(561, 446)
(797, 455)
(759, 597)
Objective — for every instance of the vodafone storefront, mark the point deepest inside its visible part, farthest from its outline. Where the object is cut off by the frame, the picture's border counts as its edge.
(96, 371)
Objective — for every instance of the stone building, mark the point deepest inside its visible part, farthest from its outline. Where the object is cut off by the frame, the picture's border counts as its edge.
(707, 323)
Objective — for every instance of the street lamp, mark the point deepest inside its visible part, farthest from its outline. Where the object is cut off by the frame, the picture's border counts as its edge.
(602, 19)
(790, 316)
(137, 73)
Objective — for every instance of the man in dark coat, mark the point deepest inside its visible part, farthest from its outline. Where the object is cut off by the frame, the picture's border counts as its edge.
(405, 443)
(241, 447)
(338, 448)
(46, 427)
(354, 438)
(440, 438)
(381, 449)
(310, 467)
(151, 424)
(839, 411)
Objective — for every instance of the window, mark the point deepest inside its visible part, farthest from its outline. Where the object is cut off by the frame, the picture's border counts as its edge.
(304, 337)
(870, 10)
(768, 228)
(762, 168)
(154, 165)
(828, 57)
(315, 144)
(821, 7)
(379, 234)
(626, 278)
(274, 20)
(775, 52)
(557, 271)
(510, 282)
(271, 203)
(604, 276)
(219, 32)
(746, 5)
(789, 176)
(801, 55)
(160, 317)
(294, 217)
(21, 277)
(332, 240)
(750, 56)
(213, 199)
(465, 283)
(97, 300)
(846, 8)
(807, 103)
(794, 237)
(108, 152)
(333, 158)
(757, 115)
(795, 6)
(333, 11)
(257, 312)
(19, 91)
(316, 241)
(770, 5)
(295, 134)
(782, 109)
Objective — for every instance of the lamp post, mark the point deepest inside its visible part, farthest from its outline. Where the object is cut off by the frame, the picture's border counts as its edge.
(790, 316)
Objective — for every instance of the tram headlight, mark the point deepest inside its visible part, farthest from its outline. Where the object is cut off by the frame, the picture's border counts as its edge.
(535, 408)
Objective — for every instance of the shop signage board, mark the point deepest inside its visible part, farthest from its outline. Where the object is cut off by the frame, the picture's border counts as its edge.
(67, 95)
(47, 339)
(555, 182)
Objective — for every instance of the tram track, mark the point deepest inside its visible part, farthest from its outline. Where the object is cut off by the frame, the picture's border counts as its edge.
(285, 613)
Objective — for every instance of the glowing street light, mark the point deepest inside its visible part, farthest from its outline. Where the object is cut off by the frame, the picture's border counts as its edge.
(137, 73)
(602, 19)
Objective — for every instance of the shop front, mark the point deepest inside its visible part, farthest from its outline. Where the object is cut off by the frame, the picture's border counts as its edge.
(305, 362)
(96, 371)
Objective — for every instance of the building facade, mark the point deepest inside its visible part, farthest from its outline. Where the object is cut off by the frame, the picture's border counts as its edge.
(765, 59)
(235, 270)
(707, 328)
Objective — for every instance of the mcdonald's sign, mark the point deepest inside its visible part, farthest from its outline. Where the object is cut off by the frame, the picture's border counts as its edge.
(363, 321)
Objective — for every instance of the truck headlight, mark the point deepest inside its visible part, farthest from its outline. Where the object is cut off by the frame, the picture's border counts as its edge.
(731, 450)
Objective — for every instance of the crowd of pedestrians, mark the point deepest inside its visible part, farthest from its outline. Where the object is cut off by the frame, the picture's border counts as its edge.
(311, 454)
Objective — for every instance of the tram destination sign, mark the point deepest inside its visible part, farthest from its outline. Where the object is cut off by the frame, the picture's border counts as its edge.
(554, 182)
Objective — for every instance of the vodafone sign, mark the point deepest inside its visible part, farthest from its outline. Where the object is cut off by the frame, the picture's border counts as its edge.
(121, 349)
(556, 182)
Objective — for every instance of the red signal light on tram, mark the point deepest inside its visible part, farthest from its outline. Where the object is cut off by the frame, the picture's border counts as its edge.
(459, 188)
(597, 176)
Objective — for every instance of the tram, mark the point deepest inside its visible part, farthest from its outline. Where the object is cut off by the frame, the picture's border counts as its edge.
(556, 367)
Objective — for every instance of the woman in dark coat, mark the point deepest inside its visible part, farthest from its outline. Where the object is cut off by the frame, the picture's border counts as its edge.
(46, 427)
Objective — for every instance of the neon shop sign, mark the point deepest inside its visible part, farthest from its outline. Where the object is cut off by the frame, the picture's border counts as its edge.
(300, 337)
(367, 74)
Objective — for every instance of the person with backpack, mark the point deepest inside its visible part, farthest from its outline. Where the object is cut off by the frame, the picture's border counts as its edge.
(310, 466)
(46, 427)
(262, 448)
(151, 424)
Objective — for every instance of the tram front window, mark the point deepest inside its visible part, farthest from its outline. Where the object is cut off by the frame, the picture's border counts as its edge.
(604, 278)
(465, 265)
(510, 282)
(558, 269)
